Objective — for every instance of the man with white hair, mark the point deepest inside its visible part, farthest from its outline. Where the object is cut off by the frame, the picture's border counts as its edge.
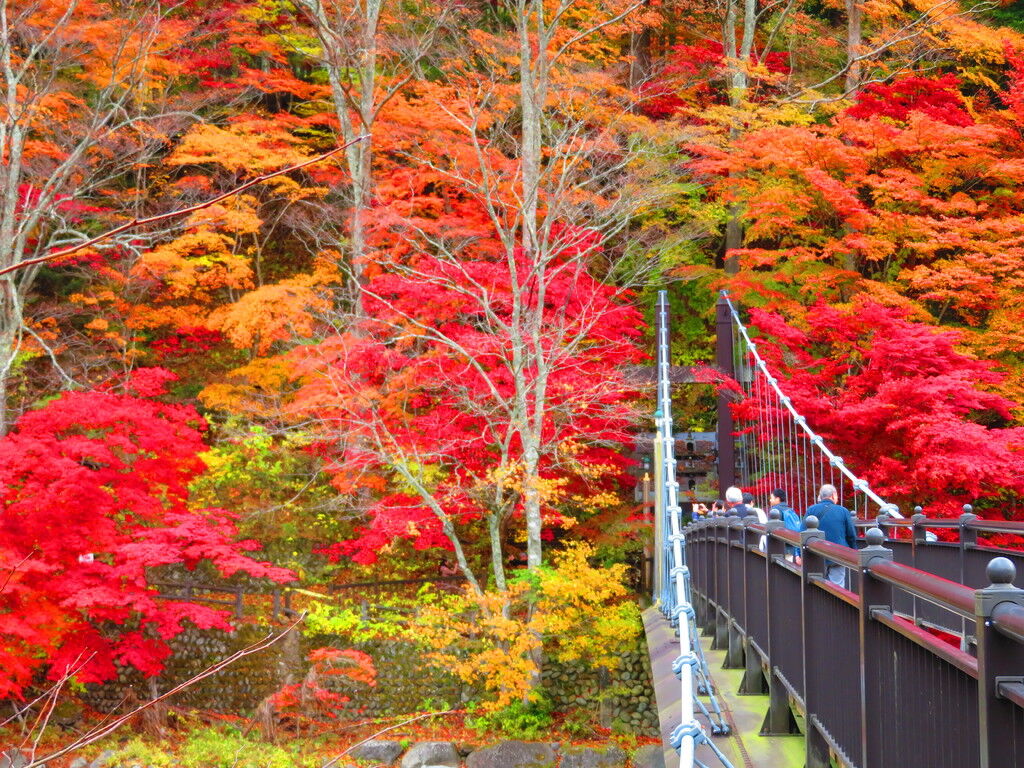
(734, 505)
(834, 521)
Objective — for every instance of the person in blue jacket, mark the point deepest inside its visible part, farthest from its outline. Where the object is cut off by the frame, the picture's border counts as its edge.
(788, 515)
(834, 521)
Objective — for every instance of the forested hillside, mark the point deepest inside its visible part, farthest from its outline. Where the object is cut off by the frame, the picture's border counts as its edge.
(323, 291)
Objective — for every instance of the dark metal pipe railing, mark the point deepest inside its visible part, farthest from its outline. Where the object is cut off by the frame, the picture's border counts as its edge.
(1008, 619)
(942, 592)
(840, 554)
(874, 688)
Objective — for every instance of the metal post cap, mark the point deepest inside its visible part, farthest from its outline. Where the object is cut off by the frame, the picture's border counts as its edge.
(968, 509)
(918, 510)
(774, 515)
(811, 521)
(874, 550)
(1001, 571)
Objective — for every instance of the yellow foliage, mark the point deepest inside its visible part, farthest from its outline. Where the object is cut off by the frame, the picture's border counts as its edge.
(256, 389)
(237, 216)
(247, 149)
(572, 611)
(196, 264)
(276, 312)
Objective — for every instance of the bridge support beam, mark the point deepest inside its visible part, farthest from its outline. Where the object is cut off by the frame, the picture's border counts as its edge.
(720, 641)
(998, 662)
(818, 753)
(734, 649)
(874, 594)
(779, 720)
(709, 623)
(753, 683)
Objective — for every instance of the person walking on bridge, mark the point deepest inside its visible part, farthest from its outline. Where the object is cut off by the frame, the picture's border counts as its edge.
(834, 522)
(734, 506)
(789, 517)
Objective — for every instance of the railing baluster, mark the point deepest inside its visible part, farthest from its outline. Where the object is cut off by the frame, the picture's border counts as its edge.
(874, 594)
(999, 661)
(779, 719)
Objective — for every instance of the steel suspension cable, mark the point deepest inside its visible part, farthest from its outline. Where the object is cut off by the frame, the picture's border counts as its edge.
(814, 444)
(675, 591)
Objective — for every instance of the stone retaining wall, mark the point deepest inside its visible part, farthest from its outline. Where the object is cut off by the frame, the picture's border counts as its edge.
(623, 697)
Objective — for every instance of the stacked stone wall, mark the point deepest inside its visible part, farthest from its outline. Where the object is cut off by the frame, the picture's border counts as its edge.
(405, 683)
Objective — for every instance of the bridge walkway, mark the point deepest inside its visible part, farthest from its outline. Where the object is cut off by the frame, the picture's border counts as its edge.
(744, 746)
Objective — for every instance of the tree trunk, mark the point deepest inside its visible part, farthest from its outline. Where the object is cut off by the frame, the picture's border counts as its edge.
(746, 48)
(640, 58)
(737, 79)
(854, 16)
(497, 554)
(5, 358)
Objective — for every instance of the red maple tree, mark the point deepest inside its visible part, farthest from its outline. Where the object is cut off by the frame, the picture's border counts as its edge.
(93, 492)
(909, 411)
(431, 391)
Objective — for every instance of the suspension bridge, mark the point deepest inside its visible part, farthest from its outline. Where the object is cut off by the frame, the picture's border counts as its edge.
(912, 658)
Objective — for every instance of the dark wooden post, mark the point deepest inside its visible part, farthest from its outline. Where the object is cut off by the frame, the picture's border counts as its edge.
(968, 538)
(752, 682)
(999, 660)
(734, 638)
(779, 720)
(873, 594)
(818, 755)
(720, 640)
(696, 542)
(713, 598)
(920, 540)
(724, 361)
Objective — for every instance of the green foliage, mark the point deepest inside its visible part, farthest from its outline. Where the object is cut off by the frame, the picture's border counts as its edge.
(1011, 15)
(325, 618)
(579, 723)
(528, 721)
(214, 748)
(140, 752)
(275, 487)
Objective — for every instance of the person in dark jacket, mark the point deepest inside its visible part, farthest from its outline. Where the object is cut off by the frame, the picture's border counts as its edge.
(834, 521)
(788, 515)
(734, 503)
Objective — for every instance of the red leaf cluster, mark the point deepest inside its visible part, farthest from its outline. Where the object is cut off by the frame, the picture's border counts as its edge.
(908, 411)
(939, 98)
(93, 492)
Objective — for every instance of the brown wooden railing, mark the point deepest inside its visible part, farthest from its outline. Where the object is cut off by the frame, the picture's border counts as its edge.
(856, 667)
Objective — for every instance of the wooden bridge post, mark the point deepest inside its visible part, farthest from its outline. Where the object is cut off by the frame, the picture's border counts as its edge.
(874, 594)
(707, 623)
(999, 662)
(968, 539)
(711, 599)
(695, 543)
(736, 535)
(779, 720)
(818, 752)
(724, 362)
(720, 627)
(752, 683)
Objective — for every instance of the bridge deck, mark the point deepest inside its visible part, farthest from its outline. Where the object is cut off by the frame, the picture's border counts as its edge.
(744, 747)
